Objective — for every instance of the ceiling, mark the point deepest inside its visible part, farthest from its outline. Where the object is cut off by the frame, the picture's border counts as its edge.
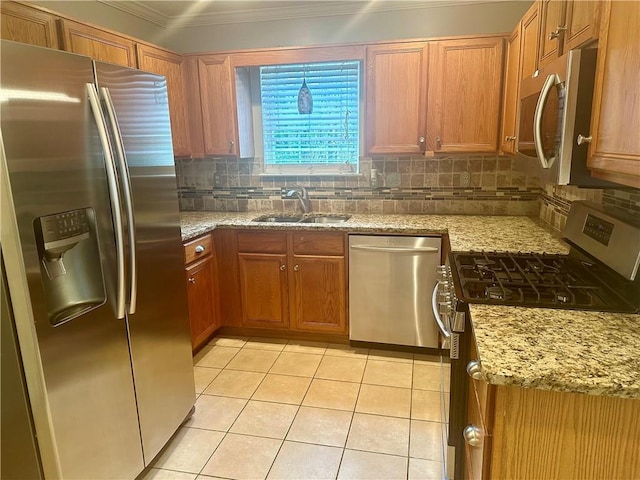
(185, 13)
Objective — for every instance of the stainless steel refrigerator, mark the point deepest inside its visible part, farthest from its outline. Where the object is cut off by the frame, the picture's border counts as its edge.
(91, 244)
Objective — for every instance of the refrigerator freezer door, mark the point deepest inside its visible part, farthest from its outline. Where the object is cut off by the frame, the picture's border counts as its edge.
(55, 165)
(159, 328)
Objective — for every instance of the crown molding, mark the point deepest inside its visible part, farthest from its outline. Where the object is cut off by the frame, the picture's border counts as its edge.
(295, 11)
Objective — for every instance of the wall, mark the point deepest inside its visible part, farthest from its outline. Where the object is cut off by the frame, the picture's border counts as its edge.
(106, 16)
(431, 21)
(407, 185)
(420, 22)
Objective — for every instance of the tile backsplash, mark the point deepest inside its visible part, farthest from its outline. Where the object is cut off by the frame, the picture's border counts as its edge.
(452, 184)
(555, 201)
(472, 184)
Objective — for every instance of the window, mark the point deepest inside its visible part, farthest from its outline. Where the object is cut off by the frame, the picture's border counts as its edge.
(324, 141)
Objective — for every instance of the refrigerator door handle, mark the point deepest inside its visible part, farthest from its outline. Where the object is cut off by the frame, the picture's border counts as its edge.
(114, 195)
(126, 187)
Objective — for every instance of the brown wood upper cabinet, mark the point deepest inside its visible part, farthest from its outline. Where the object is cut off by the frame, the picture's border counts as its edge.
(225, 104)
(21, 23)
(565, 25)
(530, 26)
(614, 152)
(171, 65)
(396, 97)
(511, 92)
(465, 82)
(98, 44)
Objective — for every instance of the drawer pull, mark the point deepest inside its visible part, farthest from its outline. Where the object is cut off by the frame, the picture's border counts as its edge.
(472, 435)
(474, 370)
(200, 249)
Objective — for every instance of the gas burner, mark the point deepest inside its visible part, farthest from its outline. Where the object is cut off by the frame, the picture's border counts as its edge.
(542, 267)
(498, 293)
(482, 263)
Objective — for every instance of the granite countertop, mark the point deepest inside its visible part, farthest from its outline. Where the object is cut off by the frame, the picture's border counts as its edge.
(466, 232)
(565, 350)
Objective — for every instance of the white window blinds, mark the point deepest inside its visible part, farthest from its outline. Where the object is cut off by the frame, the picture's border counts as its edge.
(326, 137)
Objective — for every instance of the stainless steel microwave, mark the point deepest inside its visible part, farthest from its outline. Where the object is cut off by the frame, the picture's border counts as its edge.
(555, 117)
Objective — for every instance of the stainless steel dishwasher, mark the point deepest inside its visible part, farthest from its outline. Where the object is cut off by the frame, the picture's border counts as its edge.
(390, 285)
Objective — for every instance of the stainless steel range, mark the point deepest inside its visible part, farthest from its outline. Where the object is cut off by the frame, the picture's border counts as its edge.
(600, 273)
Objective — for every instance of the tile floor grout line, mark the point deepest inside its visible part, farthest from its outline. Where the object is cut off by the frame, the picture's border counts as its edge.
(299, 405)
(353, 414)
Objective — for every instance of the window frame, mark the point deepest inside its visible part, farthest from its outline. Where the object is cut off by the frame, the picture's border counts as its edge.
(299, 55)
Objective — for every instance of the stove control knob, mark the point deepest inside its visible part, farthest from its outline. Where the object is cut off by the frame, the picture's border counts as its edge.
(444, 308)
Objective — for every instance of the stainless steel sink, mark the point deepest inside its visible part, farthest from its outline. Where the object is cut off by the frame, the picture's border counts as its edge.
(326, 219)
(278, 219)
(313, 218)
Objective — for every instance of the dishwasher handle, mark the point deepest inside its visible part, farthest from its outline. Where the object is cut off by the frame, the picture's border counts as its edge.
(373, 248)
(434, 305)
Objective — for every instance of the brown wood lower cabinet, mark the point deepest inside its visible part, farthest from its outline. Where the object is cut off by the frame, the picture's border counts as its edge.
(201, 290)
(263, 288)
(532, 433)
(293, 281)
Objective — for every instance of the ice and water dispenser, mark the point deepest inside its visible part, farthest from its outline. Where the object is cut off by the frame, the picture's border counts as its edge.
(70, 263)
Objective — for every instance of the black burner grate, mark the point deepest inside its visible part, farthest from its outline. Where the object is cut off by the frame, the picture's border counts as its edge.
(531, 279)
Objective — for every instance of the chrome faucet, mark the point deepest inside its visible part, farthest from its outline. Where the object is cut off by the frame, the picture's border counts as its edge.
(303, 197)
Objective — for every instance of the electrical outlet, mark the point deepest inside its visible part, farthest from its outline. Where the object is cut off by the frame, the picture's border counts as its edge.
(465, 179)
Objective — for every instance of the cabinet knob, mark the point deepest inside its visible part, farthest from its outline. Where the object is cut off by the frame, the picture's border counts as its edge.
(509, 138)
(296, 267)
(231, 145)
(421, 140)
(192, 280)
(474, 370)
(556, 33)
(283, 267)
(200, 249)
(438, 143)
(472, 435)
(582, 139)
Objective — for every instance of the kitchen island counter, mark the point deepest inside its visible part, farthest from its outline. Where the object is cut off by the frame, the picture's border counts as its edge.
(564, 350)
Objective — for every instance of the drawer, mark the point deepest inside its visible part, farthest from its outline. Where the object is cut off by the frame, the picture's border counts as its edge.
(318, 243)
(262, 242)
(198, 248)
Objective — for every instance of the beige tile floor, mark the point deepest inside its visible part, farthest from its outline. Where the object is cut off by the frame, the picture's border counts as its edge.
(269, 408)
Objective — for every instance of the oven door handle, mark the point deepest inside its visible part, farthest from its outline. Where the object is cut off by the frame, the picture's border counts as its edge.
(434, 306)
(549, 83)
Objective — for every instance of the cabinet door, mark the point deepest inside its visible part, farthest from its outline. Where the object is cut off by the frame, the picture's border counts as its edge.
(318, 300)
(530, 41)
(23, 24)
(218, 105)
(465, 81)
(201, 297)
(396, 82)
(552, 15)
(582, 21)
(614, 153)
(511, 94)
(98, 44)
(263, 288)
(171, 65)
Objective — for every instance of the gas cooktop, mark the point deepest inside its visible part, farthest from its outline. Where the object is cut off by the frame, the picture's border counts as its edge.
(539, 280)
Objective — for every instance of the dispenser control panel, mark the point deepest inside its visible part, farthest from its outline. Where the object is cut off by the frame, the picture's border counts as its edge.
(61, 226)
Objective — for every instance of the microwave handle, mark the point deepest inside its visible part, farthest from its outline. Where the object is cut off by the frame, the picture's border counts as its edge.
(549, 83)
